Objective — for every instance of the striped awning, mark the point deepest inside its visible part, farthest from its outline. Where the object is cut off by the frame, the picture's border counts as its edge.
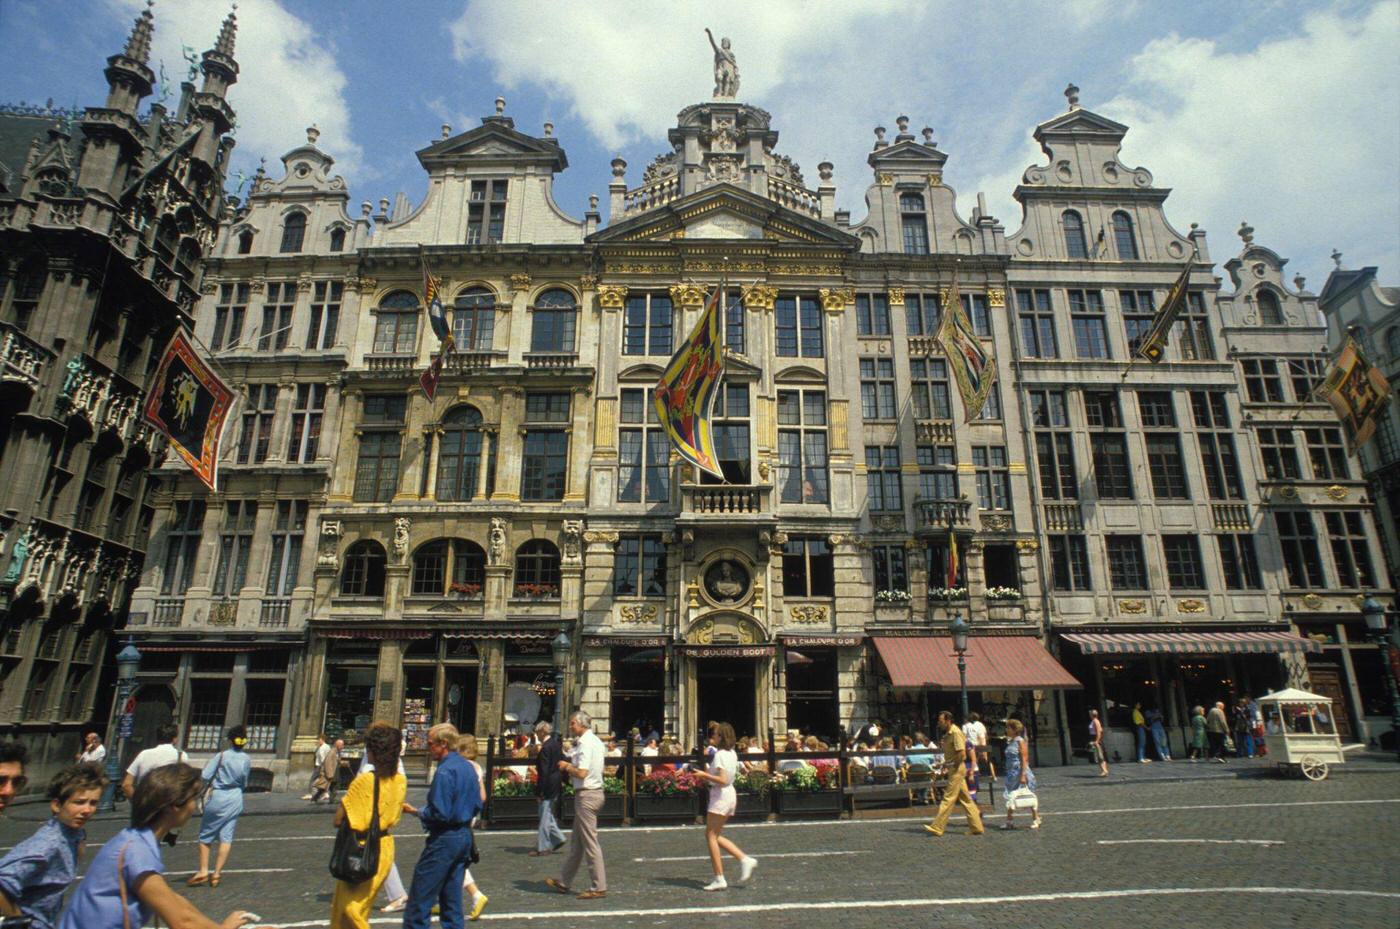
(1191, 643)
(1006, 662)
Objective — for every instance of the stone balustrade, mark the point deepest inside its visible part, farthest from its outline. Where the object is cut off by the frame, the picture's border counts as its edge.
(794, 196)
(650, 196)
(932, 515)
(725, 499)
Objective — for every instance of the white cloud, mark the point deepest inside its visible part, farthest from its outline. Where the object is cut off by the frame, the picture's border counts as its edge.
(288, 77)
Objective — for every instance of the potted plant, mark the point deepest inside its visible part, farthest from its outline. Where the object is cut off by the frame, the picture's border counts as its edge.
(614, 793)
(809, 789)
(753, 795)
(463, 591)
(513, 799)
(537, 591)
(1003, 593)
(667, 794)
(947, 593)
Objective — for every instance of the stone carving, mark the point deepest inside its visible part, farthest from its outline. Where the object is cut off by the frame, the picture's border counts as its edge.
(993, 522)
(884, 179)
(1133, 607)
(835, 299)
(400, 543)
(935, 179)
(223, 613)
(588, 281)
(727, 581)
(612, 296)
(889, 522)
(996, 297)
(636, 613)
(599, 535)
(519, 282)
(723, 169)
(498, 539)
(1337, 492)
(1191, 606)
(1027, 545)
(661, 167)
(760, 297)
(330, 539)
(688, 295)
(808, 613)
(572, 530)
(1288, 492)
(896, 296)
(726, 68)
(1312, 601)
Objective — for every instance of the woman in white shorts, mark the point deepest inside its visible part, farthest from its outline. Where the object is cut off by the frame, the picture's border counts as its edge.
(723, 768)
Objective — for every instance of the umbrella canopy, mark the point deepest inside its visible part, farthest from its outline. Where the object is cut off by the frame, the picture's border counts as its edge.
(1294, 695)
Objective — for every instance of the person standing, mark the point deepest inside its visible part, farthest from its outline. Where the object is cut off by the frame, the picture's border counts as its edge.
(226, 775)
(351, 903)
(323, 748)
(723, 768)
(454, 800)
(1017, 764)
(36, 872)
(466, 747)
(1096, 753)
(94, 752)
(1140, 733)
(976, 732)
(12, 780)
(326, 774)
(1159, 734)
(549, 782)
(586, 773)
(156, 757)
(1217, 728)
(954, 761)
(1198, 734)
(1244, 729)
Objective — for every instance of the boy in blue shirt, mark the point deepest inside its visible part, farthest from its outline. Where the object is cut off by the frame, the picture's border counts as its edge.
(37, 871)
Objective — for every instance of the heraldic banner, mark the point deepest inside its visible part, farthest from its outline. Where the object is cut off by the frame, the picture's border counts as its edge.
(686, 392)
(1358, 393)
(189, 403)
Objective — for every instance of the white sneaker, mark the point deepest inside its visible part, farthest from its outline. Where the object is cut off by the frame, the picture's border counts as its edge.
(746, 868)
(718, 883)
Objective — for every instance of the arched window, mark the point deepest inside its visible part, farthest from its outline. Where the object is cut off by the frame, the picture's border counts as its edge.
(537, 570)
(474, 319)
(245, 242)
(553, 327)
(1269, 312)
(1392, 341)
(337, 239)
(449, 566)
(293, 232)
(396, 324)
(460, 455)
(1073, 225)
(1123, 239)
(363, 574)
(914, 223)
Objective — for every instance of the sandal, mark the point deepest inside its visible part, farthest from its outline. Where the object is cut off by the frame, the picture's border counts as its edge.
(214, 881)
(196, 880)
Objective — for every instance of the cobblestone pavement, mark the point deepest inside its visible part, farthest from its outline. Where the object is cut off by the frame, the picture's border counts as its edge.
(1241, 852)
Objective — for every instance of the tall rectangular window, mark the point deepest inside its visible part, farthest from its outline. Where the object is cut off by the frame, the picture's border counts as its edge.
(991, 409)
(993, 477)
(882, 478)
(1219, 462)
(639, 567)
(486, 211)
(1127, 570)
(890, 569)
(1301, 558)
(643, 451)
(474, 320)
(288, 533)
(921, 313)
(1261, 380)
(1239, 562)
(928, 382)
(544, 471)
(1304, 374)
(1086, 315)
(733, 449)
(872, 314)
(797, 323)
(877, 388)
(381, 444)
(257, 423)
(1327, 454)
(1108, 443)
(1054, 447)
(1183, 557)
(735, 320)
(1346, 530)
(938, 472)
(802, 459)
(1192, 330)
(1164, 459)
(1279, 453)
(182, 547)
(277, 316)
(228, 316)
(914, 223)
(325, 314)
(1137, 307)
(1037, 324)
(307, 411)
(975, 306)
(808, 568)
(1069, 563)
(235, 543)
(646, 325)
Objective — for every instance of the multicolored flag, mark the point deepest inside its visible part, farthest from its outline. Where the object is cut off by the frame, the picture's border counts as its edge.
(1358, 393)
(437, 318)
(971, 363)
(189, 404)
(952, 578)
(686, 392)
(1151, 346)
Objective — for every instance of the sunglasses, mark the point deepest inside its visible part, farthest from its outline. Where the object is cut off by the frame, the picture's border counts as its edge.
(17, 781)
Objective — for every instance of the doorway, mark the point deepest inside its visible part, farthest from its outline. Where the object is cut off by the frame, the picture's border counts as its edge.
(1326, 680)
(155, 706)
(726, 691)
(460, 681)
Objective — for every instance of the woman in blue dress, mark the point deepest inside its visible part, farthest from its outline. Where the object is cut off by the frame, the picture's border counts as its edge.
(226, 775)
(1017, 765)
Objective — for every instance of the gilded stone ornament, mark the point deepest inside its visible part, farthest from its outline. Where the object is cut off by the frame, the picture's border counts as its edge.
(1191, 606)
(896, 296)
(808, 613)
(996, 297)
(760, 297)
(636, 613)
(690, 296)
(836, 299)
(588, 281)
(519, 282)
(601, 535)
(1132, 607)
(935, 179)
(612, 296)
(884, 179)
(1312, 601)
(1337, 492)
(1027, 545)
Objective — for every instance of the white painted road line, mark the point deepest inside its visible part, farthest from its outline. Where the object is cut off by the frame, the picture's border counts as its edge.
(230, 871)
(1188, 842)
(575, 915)
(827, 854)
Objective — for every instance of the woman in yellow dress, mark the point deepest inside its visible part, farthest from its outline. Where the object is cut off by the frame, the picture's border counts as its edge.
(350, 907)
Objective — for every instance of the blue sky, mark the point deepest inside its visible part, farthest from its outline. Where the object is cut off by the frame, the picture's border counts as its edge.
(1284, 114)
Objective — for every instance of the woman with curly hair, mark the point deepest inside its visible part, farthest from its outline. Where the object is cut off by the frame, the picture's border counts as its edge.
(350, 906)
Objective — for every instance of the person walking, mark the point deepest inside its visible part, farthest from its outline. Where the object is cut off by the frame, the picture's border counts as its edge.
(351, 903)
(586, 773)
(454, 800)
(466, 747)
(226, 775)
(12, 780)
(37, 872)
(720, 774)
(1217, 729)
(1243, 722)
(158, 756)
(1156, 726)
(1198, 734)
(395, 895)
(976, 732)
(1096, 753)
(1016, 762)
(549, 783)
(94, 752)
(323, 785)
(125, 884)
(323, 748)
(954, 761)
(1140, 733)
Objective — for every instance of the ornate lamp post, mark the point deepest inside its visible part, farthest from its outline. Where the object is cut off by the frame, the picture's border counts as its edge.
(128, 661)
(959, 630)
(1377, 626)
(561, 648)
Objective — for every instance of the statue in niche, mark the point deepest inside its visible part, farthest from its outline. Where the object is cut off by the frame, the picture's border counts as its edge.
(727, 582)
(726, 69)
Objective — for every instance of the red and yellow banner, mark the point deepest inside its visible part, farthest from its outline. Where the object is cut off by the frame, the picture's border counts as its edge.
(970, 362)
(1358, 393)
(686, 392)
(189, 403)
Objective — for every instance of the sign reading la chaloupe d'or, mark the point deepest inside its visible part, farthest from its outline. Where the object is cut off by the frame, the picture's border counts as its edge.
(189, 403)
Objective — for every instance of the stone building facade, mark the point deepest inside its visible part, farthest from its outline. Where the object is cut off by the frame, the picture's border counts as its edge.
(105, 218)
(423, 554)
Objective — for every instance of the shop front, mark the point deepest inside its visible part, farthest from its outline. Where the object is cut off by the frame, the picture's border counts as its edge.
(1350, 668)
(810, 669)
(639, 667)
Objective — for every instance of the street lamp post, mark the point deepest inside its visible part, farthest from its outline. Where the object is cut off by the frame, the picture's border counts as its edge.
(128, 660)
(562, 648)
(959, 631)
(1376, 625)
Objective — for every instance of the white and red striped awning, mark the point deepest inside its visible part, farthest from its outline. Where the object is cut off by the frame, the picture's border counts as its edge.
(1191, 643)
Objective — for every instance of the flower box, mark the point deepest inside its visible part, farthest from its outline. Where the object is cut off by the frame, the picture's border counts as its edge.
(752, 806)
(513, 811)
(809, 802)
(675, 808)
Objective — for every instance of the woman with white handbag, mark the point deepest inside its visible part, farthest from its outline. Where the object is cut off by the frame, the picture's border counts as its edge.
(1020, 779)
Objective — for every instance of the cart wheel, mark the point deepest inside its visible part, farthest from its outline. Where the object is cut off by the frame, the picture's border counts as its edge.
(1313, 769)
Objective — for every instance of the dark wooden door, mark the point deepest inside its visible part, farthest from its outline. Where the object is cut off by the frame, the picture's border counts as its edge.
(1327, 682)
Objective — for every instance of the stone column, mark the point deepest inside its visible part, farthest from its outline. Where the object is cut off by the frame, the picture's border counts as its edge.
(281, 421)
(347, 447)
(510, 453)
(388, 693)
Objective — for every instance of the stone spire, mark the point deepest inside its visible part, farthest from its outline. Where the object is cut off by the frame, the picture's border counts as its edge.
(1072, 95)
(138, 46)
(227, 33)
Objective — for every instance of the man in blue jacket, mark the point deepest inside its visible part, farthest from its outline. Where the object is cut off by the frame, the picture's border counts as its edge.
(454, 800)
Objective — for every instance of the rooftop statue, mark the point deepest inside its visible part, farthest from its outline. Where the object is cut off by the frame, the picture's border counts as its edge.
(726, 69)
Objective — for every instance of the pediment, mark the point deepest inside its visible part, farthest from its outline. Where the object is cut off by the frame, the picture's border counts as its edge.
(1081, 122)
(725, 213)
(496, 138)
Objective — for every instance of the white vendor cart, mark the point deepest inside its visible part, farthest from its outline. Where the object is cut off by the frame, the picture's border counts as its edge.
(1300, 732)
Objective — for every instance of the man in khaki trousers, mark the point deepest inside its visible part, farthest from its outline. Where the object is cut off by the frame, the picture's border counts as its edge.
(954, 753)
(586, 770)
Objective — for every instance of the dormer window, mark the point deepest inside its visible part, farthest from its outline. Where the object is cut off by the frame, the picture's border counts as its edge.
(1073, 225)
(1269, 312)
(337, 240)
(914, 223)
(293, 233)
(245, 242)
(486, 213)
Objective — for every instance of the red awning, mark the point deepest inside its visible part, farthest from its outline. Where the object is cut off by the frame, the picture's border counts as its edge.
(994, 662)
(377, 633)
(1191, 643)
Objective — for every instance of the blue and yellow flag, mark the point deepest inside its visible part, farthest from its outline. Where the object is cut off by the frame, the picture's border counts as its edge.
(970, 362)
(686, 392)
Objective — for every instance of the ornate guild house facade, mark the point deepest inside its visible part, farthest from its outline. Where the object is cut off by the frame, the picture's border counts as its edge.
(371, 554)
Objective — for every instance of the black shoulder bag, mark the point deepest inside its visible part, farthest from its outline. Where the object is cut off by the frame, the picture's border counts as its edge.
(355, 857)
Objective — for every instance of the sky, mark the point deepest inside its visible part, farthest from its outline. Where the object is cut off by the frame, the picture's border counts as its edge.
(1286, 115)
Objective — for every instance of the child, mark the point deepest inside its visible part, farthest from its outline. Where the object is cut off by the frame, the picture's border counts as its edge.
(37, 871)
